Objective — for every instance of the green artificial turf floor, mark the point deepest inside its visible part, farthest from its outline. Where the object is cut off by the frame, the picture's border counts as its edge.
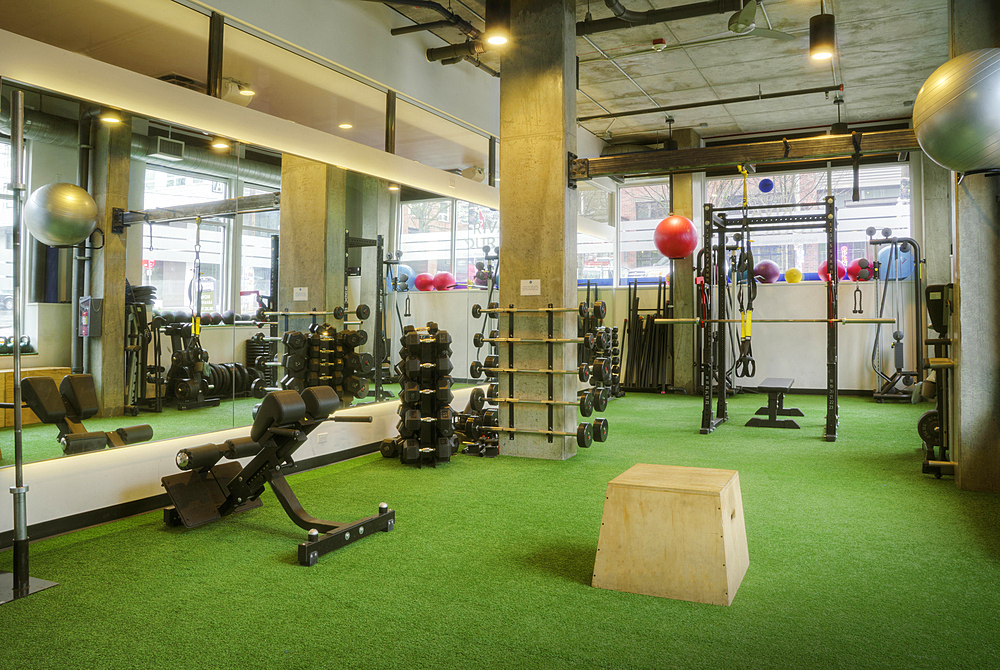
(857, 560)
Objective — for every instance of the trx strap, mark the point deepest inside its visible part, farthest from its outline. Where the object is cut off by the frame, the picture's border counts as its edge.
(858, 309)
(745, 365)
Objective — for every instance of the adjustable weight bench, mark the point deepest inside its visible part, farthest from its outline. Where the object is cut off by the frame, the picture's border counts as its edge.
(67, 407)
(776, 387)
(206, 491)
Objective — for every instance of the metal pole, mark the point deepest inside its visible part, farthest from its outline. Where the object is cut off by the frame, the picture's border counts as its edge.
(19, 489)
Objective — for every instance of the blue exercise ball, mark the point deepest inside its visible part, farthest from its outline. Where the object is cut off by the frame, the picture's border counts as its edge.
(888, 263)
(410, 275)
(765, 185)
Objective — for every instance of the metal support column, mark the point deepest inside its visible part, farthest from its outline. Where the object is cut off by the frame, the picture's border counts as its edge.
(832, 402)
(216, 37)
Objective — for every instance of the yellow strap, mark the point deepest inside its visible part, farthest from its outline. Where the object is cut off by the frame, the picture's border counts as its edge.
(745, 174)
(747, 318)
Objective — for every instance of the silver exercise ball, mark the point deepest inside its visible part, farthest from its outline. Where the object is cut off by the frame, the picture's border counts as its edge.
(60, 214)
(956, 115)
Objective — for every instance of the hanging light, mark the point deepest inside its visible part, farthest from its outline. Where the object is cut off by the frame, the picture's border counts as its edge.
(497, 22)
(220, 143)
(822, 35)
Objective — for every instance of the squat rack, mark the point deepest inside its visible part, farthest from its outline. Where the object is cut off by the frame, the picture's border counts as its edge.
(714, 309)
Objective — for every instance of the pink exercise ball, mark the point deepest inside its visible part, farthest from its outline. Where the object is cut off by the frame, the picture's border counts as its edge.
(766, 272)
(855, 268)
(444, 281)
(824, 273)
(423, 282)
(675, 236)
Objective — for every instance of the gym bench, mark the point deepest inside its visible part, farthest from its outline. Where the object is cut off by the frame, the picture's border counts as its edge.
(776, 388)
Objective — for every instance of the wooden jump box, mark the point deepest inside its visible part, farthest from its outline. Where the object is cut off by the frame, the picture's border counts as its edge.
(673, 532)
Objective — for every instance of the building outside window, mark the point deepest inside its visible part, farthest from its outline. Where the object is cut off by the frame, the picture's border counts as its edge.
(640, 209)
(168, 250)
(256, 231)
(426, 235)
(884, 203)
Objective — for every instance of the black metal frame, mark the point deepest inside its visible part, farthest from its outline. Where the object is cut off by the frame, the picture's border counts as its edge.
(713, 333)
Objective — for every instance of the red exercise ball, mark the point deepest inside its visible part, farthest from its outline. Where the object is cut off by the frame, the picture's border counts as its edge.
(675, 236)
(766, 272)
(855, 268)
(423, 282)
(444, 281)
(824, 273)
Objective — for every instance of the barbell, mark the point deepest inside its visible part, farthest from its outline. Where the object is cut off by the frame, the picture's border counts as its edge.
(586, 434)
(601, 370)
(599, 310)
(590, 340)
(842, 322)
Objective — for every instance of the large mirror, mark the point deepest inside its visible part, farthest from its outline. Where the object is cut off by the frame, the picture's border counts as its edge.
(202, 218)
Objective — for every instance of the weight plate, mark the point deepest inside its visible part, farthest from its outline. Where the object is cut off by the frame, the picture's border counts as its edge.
(477, 400)
(363, 312)
(587, 404)
(929, 428)
(601, 399)
(600, 430)
(584, 435)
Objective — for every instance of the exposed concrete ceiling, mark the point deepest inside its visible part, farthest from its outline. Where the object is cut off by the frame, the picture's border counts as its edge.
(885, 51)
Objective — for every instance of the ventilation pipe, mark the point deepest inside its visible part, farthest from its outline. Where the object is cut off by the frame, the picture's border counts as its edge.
(451, 17)
(626, 18)
(455, 52)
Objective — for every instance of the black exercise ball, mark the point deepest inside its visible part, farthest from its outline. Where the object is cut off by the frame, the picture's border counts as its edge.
(228, 317)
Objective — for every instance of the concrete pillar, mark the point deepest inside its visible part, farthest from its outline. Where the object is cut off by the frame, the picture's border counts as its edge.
(937, 185)
(684, 293)
(976, 25)
(369, 203)
(110, 180)
(311, 242)
(538, 215)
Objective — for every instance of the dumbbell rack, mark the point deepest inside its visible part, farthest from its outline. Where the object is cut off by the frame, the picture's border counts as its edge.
(323, 349)
(426, 428)
(584, 431)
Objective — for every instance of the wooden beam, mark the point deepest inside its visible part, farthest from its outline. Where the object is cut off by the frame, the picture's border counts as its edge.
(780, 151)
(264, 202)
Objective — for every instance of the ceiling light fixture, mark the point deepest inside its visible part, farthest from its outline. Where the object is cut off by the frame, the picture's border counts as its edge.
(220, 143)
(346, 126)
(393, 187)
(822, 35)
(237, 92)
(109, 116)
(497, 22)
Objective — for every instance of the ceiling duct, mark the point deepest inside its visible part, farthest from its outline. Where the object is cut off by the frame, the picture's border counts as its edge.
(50, 129)
(626, 18)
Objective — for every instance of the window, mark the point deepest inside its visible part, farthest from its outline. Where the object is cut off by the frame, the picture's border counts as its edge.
(426, 235)
(168, 250)
(884, 203)
(476, 227)
(640, 209)
(255, 252)
(595, 237)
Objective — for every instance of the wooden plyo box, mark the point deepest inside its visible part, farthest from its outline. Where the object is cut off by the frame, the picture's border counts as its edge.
(673, 532)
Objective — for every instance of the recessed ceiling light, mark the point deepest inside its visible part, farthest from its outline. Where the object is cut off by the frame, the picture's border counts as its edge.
(346, 126)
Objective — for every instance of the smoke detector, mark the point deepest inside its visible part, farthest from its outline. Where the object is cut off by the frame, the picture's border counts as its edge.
(659, 44)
